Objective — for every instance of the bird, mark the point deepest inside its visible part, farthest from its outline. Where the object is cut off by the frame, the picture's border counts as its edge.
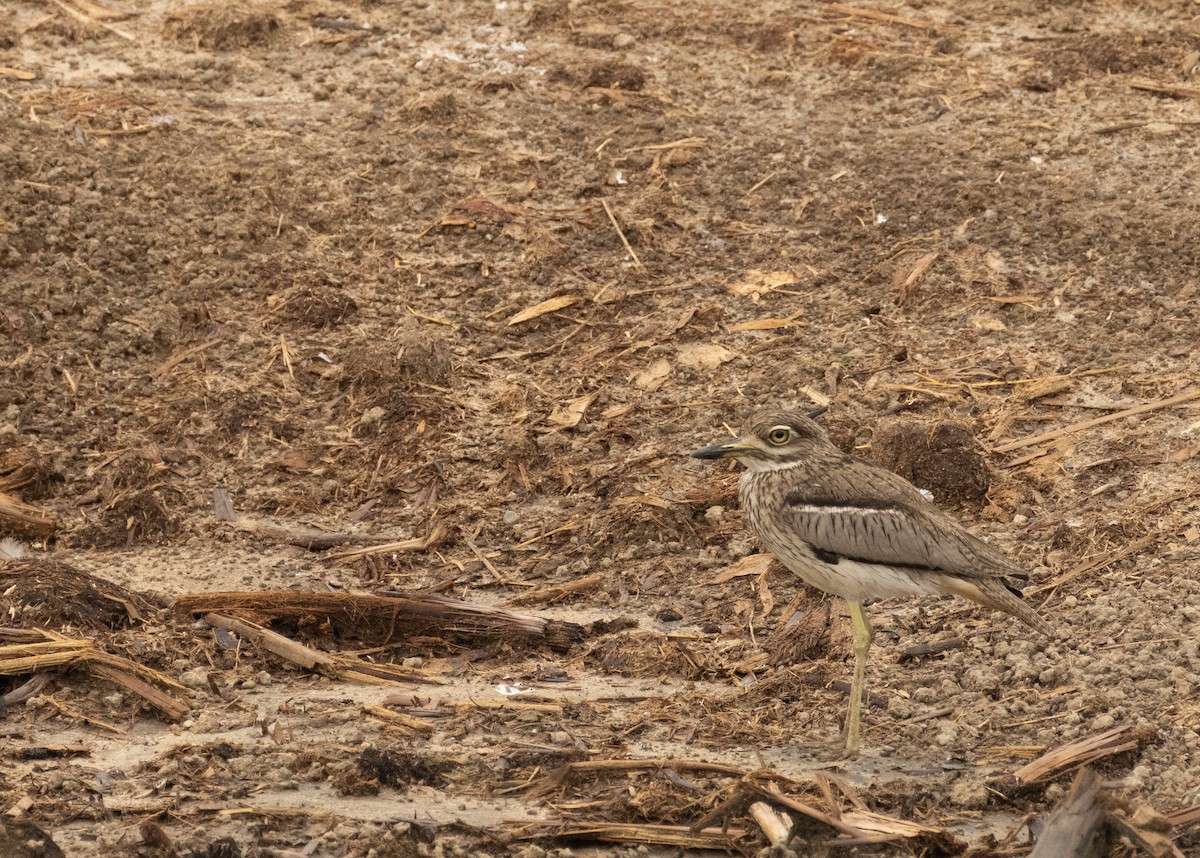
(859, 531)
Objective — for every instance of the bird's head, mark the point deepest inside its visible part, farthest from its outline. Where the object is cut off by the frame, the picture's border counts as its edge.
(776, 440)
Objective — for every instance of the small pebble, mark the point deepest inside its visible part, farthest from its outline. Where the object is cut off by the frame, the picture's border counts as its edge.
(969, 793)
(197, 678)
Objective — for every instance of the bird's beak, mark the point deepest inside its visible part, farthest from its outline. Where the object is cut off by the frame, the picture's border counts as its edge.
(722, 451)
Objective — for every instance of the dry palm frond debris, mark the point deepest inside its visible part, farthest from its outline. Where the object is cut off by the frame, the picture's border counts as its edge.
(766, 798)
(384, 617)
(1083, 751)
(38, 592)
(1073, 756)
(24, 470)
(56, 651)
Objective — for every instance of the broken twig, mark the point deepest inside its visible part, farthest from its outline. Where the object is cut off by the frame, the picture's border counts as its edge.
(1186, 396)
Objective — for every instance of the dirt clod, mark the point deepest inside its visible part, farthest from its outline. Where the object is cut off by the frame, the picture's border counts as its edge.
(377, 768)
(315, 306)
(219, 27)
(939, 457)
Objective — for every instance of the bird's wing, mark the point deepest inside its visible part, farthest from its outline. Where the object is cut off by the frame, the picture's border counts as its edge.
(896, 532)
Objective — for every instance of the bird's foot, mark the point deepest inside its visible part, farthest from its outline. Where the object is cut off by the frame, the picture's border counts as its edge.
(835, 750)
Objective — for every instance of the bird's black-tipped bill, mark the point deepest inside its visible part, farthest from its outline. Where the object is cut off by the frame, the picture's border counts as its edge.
(720, 451)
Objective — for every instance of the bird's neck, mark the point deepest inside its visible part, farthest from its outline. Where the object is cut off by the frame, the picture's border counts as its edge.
(759, 486)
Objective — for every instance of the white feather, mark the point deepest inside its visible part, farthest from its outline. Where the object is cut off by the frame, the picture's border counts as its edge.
(12, 549)
(844, 510)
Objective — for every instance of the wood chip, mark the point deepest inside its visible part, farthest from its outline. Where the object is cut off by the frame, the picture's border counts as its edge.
(770, 324)
(906, 282)
(704, 355)
(551, 305)
(757, 283)
(751, 564)
(568, 415)
(653, 376)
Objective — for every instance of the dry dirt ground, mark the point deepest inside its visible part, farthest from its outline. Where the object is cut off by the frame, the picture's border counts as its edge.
(296, 255)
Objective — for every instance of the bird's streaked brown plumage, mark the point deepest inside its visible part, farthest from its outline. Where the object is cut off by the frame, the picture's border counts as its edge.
(859, 531)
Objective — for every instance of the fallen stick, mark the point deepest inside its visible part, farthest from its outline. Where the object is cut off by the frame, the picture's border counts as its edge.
(1174, 90)
(621, 235)
(513, 705)
(776, 826)
(557, 777)
(554, 592)
(1184, 816)
(1186, 396)
(1076, 828)
(180, 356)
(920, 650)
(811, 812)
(23, 692)
(417, 543)
(398, 719)
(166, 704)
(338, 667)
(878, 828)
(80, 16)
(681, 836)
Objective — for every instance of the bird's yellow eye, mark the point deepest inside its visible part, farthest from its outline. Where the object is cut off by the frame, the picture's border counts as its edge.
(779, 436)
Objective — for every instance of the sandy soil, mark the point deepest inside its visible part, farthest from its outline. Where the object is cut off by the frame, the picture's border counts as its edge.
(299, 253)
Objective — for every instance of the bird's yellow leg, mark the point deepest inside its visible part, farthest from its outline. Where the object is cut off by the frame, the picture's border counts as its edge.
(862, 645)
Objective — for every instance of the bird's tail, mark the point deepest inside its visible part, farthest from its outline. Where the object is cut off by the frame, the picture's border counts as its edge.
(993, 593)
